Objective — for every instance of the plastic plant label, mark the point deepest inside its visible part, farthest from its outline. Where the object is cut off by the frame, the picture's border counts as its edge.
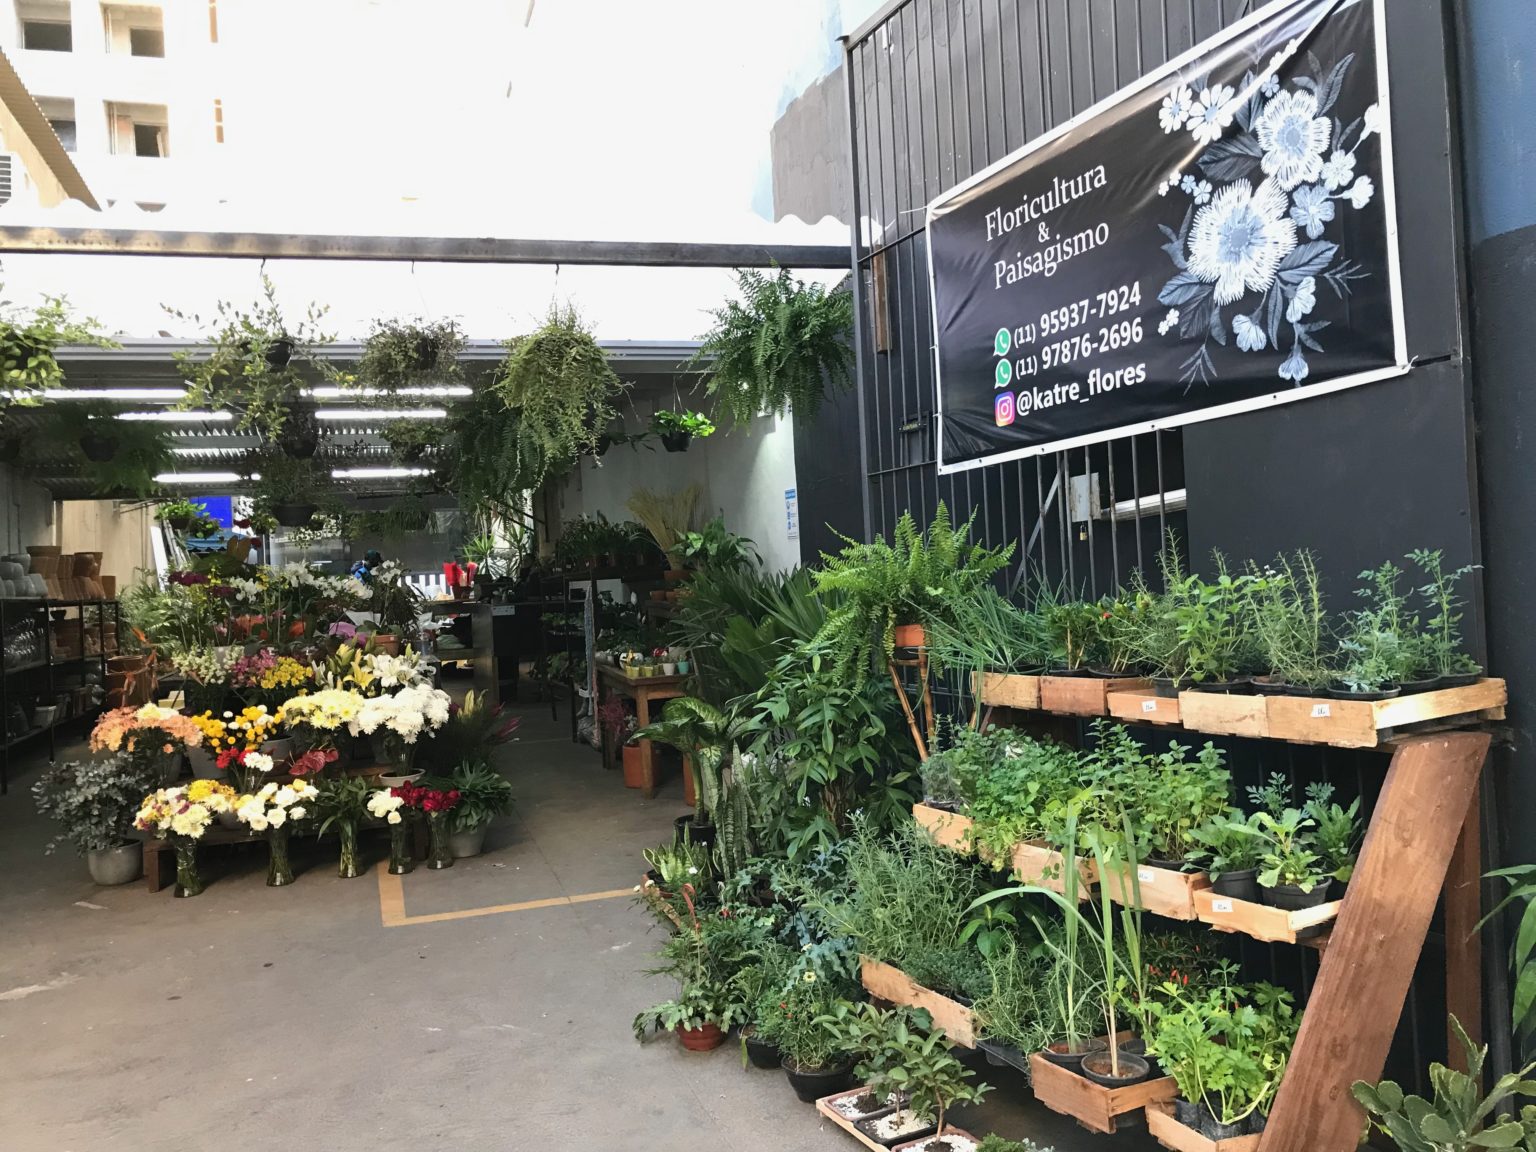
(1145, 875)
(1149, 705)
(1320, 712)
(1221, 905)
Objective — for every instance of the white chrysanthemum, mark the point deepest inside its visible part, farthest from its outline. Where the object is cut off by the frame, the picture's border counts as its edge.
(1239, 239)
(284, 796)
(1293, 137)
(297, 812)
(1177, 105)
(259, 761)
(1212, 114)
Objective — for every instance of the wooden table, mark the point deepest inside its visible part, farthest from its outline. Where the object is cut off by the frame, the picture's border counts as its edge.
(642, 690)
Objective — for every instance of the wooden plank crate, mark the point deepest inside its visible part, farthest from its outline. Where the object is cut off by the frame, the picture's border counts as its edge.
(1161, 890)
(1034, 863)
(948, 829)
(1142, 707)
(1225, 713)
(1084, 695)
(1275, 925)
(1367, 724)
(1092, 1105)
(1181, 1138)
(1006, 690)
(890, 983)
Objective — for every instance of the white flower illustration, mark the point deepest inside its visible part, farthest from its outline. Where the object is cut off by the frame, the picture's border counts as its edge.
(1174, 113)
(1339, 170)
(1202, 192)
(1271, 85)
(1212, 113)
(1250, 336)
(1187, 185)
(1162, 189)
(1361, 191)
(1372, 122)
(1304, 300)
(1169, 321)
(1293, 137)
(1295, 366)
(1239, 239)
(1311, 209)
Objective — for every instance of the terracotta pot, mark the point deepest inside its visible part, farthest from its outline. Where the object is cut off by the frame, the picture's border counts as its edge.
(109, 587)
(36, 550)
(910, 636)
(701, 1039)
(633, 775)
(388, 643)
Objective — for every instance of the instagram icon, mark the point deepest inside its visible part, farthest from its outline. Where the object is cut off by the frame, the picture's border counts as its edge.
(1003, 409)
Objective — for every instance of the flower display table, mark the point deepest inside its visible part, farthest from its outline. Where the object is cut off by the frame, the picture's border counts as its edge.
(643, 690)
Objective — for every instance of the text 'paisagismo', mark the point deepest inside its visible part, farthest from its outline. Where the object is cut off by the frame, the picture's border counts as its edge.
(1057, 251)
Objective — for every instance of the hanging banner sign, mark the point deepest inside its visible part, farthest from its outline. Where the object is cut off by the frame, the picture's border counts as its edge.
(1219, 237)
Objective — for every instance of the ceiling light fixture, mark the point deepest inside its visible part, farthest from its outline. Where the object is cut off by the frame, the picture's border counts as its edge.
(170, 417)
(380, 413)
(168, 395)
(332, 392)
(377, 473)
(203, 477)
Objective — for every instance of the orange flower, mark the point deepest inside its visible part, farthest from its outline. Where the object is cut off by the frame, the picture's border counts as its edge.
(296, 629)
(168, 749)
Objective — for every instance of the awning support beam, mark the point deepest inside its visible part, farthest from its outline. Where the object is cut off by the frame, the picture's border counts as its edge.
(423, 249)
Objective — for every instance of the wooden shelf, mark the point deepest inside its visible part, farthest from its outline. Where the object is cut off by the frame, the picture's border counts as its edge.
(890, 983)
(1262, 922)
(1092, 1105)
(1171, 1134)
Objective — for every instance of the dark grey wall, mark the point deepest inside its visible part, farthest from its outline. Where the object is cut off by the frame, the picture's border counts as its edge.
(809, 144)
(941, 88)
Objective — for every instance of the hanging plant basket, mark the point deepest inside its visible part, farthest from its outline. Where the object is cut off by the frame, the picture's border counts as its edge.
(99, 447)
(294, 515)
(278, 353)
(300, 436)
(411, 453)
(676, 441)
(424, 354)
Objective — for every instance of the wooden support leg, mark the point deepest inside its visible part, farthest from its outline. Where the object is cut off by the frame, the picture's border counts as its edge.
(647, 756)
(1364, 977)
(1463, 943)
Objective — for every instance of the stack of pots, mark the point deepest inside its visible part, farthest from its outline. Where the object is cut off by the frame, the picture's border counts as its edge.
(87, 572)
(46, 559)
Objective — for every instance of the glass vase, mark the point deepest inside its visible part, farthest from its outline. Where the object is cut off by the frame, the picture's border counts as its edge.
(188, 881)
(279, 870)
(391, 748)
(347, 867)
(400, 855)
(439, 854)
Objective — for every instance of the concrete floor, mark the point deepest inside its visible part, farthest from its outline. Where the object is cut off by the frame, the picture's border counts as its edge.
(294, 1019)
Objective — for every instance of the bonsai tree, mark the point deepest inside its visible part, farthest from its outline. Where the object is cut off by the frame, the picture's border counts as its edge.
(777, 348)
(400, 354)
(913, 578)
(251, 361)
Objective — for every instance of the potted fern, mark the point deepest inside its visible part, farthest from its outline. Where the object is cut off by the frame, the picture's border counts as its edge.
(400, 354)
(776, 348)
(891, 588)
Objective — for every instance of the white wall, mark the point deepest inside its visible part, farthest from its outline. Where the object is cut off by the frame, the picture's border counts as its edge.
(743, 474)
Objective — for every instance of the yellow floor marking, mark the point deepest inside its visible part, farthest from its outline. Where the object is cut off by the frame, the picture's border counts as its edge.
(392, 903)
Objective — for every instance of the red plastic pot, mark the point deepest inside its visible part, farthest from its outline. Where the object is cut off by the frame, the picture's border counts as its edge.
(701, 1039)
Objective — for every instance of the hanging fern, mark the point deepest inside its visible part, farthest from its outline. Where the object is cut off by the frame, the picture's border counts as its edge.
(775, 349)
(558, 382)
(917, 578)
(481, 465)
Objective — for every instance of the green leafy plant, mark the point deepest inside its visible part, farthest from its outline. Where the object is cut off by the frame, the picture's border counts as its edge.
(704, 956)
(484, 795)
(716, 546)
(681, 861)
(1213, 625)
(1458, 1118)
(1287, 857)
(1073, 631)
(342, 799)
(986, 632)
(1380, 646)
(913, 578)
(793, 1024)
(777, 348)
(94, 801)
(1336, 831)
(992, 1142)
(409, 439)
(693, 424)
(399, 354)
(1226, 843)
(28, 342)
(1439, 648)
(990, 926)
(558, 381)
(180, 509)
(1290, 621)
(286, 481)
(119, 457)
(1522, 949)
(252, 362)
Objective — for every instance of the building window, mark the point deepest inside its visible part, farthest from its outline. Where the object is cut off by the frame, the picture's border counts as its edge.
(138, 130)
(47, 36)
(146, 42)
(213, 21)
(218, 121)
(65, 131)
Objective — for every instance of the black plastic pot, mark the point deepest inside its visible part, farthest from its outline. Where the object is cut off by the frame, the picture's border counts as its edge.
(1213, 1129)
(1166, 687)
(424, 355)
(1424, 683)
(293, 515)
(1057, 1053)
(999, 1054)
(941, 805)
(1342, 693)
(1108, 673)
(1134, 1069)
(1240, 684)
(1293, 899)
(676, 441)
(411, 453)
(1242, 884)
(300, 436)
(98, 447)
(1080, 673)
(1270, 686)
(760, 1053)
(1460, 679)
(278, 353)
(703, 834)
(1187, 1112)
(811, 1085)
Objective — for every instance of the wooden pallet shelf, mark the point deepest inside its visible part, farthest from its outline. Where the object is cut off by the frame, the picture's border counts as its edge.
(1142, 707)
(1225, 714)
(1160, 890)
(1007, 690)
(1092, 1105)
(1035, 863)
(890, 983)
(1273, 925)
(948, 829)
(1181, 1138)
(1084, 695)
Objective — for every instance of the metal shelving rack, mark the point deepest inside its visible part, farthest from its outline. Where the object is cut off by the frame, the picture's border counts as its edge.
(39, 678)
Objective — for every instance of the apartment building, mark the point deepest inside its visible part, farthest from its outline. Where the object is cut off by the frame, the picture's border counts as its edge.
(131, 89)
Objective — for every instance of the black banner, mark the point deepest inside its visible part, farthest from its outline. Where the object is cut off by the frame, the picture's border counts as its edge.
(1219, 237)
